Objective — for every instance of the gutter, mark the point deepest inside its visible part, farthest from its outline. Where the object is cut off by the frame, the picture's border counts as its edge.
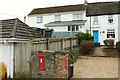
(11, 40)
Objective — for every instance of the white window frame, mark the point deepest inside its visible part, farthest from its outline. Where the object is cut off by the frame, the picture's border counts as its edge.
(95, 20)
(78, 16)
(57, 17)
(39, 19)
(73, 28)
(111, 32)
(110, 19)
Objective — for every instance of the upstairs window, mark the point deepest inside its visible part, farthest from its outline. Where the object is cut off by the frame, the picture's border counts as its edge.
(110, 19)
(57, 17)
(95, 20)
(77, 16)
(111, 33)
(39, 19)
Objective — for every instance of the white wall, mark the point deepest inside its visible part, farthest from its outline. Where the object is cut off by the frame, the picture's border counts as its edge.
(119, 27)
(103, 25)
(65, 29)
(65, 16)
(6, 56)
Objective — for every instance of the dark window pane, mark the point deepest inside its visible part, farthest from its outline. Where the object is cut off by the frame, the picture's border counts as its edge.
(68, 28)
(77, 28)
(110, 20)
(110, 35)
(73, 28)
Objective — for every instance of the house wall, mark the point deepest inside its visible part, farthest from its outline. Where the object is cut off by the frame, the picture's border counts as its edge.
(103, 25)
(119, 27)
(6, 56)
(65, 16)
(65, 29)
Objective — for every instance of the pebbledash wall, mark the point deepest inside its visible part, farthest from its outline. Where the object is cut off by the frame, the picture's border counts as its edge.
(56, 65)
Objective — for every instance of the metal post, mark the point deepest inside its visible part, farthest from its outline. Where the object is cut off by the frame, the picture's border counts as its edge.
(90, 24)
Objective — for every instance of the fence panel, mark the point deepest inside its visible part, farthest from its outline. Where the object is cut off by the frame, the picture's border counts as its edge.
(54, 43)
(22, 59)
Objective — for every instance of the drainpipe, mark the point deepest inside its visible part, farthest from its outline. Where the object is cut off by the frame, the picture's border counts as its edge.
(90, 24)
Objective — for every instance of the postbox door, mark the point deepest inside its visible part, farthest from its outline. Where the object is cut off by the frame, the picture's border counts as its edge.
(41, 61)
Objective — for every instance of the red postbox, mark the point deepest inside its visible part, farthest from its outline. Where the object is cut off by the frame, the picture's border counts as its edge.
(41, 61)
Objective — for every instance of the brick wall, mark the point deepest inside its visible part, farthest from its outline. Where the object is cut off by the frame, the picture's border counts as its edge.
(56, 65)
(61, 64)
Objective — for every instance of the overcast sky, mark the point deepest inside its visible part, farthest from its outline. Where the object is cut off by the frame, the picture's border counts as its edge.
(24, 7)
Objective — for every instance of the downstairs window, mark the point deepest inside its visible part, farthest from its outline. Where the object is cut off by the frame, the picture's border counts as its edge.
(111, 33)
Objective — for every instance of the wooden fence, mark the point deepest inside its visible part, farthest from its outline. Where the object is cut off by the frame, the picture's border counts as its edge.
(22, 58)
(54, 44)
(24, 50)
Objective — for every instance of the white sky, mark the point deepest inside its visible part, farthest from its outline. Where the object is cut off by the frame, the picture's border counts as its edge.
(24, 7)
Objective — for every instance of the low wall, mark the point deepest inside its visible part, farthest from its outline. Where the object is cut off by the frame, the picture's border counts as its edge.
(62, 64)
(49, 65)
(56, 65)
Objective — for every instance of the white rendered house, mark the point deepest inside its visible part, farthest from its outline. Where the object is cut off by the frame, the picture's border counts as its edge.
(104, 27)
(104, 21)
(99, 19)
(70, 18)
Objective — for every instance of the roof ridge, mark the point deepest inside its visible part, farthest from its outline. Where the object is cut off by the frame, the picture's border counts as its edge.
(104, 2)
(14, 28)
(60, 6)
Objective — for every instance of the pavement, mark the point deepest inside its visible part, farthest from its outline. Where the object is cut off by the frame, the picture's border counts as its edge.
(96, 67)
(98, 52)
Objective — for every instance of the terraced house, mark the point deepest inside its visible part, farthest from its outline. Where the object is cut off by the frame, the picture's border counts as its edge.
(63, 20)
(98, 19)
(104, 21)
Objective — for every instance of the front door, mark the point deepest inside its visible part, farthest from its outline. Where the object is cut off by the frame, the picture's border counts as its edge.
(95, 35)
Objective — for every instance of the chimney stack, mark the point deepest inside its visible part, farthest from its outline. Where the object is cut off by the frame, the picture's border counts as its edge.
(85, 2)
(24, 19)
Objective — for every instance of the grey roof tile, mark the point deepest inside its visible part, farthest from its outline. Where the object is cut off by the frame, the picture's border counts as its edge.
(15, 28)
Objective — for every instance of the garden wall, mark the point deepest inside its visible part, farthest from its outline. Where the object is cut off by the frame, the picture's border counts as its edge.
(26, 54)
(56, 65)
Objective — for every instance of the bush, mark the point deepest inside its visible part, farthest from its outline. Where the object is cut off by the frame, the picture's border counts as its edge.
(109, 43)
(86, 47)
(84, 37)
(118, 45)
(74, 55)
